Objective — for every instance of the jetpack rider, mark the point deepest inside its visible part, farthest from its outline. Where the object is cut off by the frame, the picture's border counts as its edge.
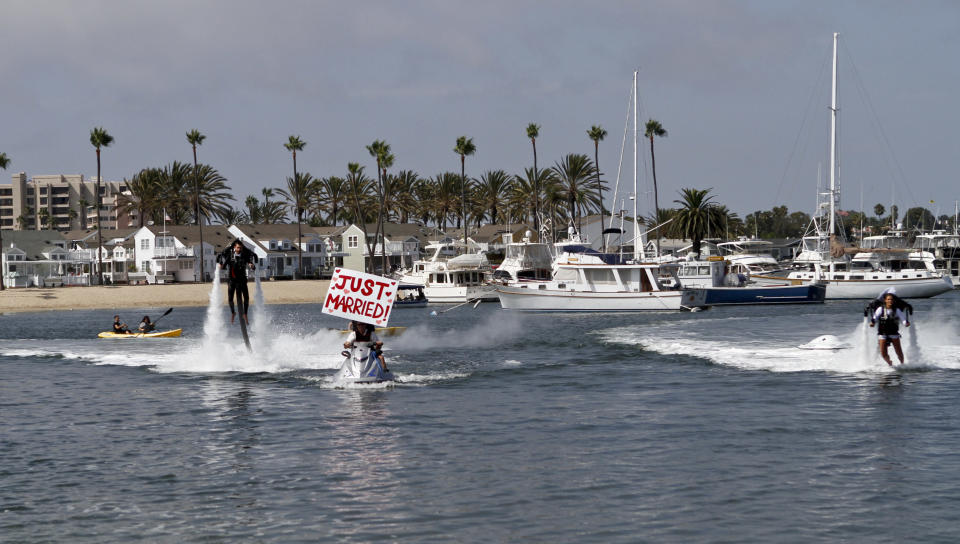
(235, 260)
(889, 315)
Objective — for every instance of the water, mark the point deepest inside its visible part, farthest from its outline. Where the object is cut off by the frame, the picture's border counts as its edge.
(660, 427)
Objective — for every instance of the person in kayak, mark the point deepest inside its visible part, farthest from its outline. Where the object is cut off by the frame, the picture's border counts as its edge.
(363, 332)
(235, 259)
(888, 332)
(146, 325)
(118, 327)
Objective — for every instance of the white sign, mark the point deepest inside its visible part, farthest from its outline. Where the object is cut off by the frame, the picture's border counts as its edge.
(360, 296)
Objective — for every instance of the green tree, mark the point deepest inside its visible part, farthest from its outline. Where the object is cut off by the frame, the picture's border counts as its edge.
(360, 185)
(655, 130)
(533, 131)
(194, 138)
(491, 190)
(573, 173)
(331, 198)
(44, 218)
(84, 204)
(696, 216)
(879, 210)
(99, 138)
(294, 144)
(464, 148)
(4, 163)
(597, 134)
(298, 194)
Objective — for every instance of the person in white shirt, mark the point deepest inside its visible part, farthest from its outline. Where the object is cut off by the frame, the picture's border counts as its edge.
(365, 333)
(889, 330)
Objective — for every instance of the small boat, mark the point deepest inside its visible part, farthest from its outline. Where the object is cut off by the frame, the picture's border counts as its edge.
(361, 366)
(410, 296)
(724, 285)
(157, 334)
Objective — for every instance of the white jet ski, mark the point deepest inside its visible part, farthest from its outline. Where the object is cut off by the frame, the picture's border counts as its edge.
(827, 341)
(360, 366)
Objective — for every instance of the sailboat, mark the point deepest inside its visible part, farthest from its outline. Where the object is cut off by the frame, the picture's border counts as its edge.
(824, 256)
(593, 282)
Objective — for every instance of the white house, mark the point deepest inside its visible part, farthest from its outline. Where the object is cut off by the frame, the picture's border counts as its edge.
(278, 249)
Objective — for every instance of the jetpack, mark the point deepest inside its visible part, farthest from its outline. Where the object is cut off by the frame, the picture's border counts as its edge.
(898, 303)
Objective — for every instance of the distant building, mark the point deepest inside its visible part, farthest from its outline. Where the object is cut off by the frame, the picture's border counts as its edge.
(23, 202)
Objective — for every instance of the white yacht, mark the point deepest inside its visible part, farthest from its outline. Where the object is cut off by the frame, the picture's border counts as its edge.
(750, 257)
(451, 277)
(585, 280)
(945, 250)
(824, 256)
(525, 261)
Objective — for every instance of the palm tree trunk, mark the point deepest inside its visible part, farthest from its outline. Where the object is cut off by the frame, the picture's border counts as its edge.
(299, 234)
(463, 197)
(536, 190)
(196, 179)
(99, 230)
(656, 201)
(596, 162)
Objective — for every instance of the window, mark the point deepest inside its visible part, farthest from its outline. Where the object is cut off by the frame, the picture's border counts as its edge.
(353, 241)
(145, 243)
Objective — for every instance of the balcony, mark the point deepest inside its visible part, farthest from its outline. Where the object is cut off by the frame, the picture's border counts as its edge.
(172, 252)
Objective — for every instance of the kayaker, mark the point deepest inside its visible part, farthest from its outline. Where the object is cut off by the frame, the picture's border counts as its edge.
(235, 259)
(146, 325)
(365, 333)
(118, 327)
(889, 331)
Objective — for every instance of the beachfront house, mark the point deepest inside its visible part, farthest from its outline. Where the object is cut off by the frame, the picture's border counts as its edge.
(36, 259)
(336, 253)
(278, 249)
(170, 253)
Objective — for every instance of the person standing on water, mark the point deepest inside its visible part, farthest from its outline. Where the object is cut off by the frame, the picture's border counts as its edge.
(235, 259)
(889, 318)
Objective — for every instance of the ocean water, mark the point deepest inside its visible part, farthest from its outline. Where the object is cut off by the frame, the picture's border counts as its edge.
(660, 427)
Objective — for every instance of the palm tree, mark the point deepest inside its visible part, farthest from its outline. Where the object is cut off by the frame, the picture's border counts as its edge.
(294, 144)
(194, 138)
(332, 196)
(71, 216)
(254, 210)
(44, 218)
(533, 131)
(267, 193)
(655, 129)
(696, 216)
(879, 210)
(84, 204)
(298, 194)
(597, 133)
(359, 184)
(573, 172)
(213, 193)
(380, 150)
(233, 217)
(402, 190)
(493, 187)
(464, 148)
(99, 139)
(4, 163)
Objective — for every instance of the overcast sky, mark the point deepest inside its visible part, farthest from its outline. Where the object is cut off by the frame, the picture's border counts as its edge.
(742, 88)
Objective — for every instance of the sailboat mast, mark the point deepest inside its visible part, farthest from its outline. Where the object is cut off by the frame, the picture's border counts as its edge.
(638, 251)
(833, 140)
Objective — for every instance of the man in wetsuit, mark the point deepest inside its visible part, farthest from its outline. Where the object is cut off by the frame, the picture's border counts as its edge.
(235, 260)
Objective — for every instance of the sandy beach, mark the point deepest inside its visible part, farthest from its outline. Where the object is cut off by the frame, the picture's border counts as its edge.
(150, 296)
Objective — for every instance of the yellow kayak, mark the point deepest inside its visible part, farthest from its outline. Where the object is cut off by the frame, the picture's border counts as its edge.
(385, 331)
(158, 334)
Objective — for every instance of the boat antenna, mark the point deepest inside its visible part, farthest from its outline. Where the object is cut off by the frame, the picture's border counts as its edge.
(638, 249)
(833, 141)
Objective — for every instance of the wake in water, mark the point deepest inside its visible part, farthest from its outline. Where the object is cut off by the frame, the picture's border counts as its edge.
(928, 343)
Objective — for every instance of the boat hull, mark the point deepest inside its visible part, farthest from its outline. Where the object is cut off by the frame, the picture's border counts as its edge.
(448, 295)
(159, 334)
(793, 294)
(925, 287)
(525, 299)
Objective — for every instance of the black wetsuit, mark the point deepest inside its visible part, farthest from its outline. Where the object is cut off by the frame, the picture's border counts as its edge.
(236, 266)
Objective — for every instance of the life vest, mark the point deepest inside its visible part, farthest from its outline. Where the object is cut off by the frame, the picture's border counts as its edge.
(365, 337)
(888, 322)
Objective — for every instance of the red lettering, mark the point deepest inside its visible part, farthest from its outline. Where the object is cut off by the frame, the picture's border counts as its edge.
(382, 286)
(341, 282)
(378, 312)
(367, 288)
(335, 299)
(355, 284)
(369, 310)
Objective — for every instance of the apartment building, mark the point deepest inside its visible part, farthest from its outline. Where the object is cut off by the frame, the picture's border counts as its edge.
(61, 202)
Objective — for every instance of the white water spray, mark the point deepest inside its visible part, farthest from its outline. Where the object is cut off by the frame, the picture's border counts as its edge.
(261, 325)
(213, 324)
(912, 352)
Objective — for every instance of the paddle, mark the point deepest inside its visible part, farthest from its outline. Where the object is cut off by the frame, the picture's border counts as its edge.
(155, 321)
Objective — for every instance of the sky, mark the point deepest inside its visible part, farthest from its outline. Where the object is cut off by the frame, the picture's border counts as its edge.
(742, 88)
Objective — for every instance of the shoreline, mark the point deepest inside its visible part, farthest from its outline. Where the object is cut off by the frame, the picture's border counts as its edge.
(151, 296)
